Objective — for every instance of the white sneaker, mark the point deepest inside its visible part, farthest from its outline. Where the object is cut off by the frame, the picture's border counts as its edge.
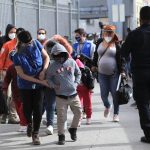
(22, 129)
(116, 118)
(49, 130)
(107, 112)
(88, 121)
(83, 115)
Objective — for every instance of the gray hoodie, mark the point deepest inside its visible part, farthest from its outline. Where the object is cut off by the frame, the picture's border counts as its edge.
(65, 77)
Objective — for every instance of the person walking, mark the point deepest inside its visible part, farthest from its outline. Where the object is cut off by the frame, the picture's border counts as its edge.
(84, 90)
(137, 44)
(11, 77)
(83, 47)
(64, 75)
(4, 64)
(3, 39)
(48, 94)
(108, 60)
(31, 61)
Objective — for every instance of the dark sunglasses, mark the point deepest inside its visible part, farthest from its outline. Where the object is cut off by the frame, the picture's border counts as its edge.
(41, 33)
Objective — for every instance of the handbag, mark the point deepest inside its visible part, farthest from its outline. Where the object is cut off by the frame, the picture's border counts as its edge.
(123, 91)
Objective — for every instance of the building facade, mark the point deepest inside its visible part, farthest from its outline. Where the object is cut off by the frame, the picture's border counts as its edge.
(132, 10)
(56, 16)
(91, 13)
(94, 11)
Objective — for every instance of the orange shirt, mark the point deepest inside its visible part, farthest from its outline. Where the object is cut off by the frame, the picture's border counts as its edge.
(5, 62)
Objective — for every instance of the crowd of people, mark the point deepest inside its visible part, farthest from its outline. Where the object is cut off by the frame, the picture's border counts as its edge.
(50, 74)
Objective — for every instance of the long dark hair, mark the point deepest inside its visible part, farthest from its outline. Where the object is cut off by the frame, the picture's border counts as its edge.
(24, 37)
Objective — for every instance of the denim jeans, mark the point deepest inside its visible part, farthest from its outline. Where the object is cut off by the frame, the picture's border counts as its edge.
(108, 83)
(49, 105)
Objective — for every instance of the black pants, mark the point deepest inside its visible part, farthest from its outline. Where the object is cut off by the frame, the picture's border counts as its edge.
(141, 93)
(32, 106)
(3, 103)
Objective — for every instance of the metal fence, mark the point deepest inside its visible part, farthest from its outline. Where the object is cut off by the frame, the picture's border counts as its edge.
(56, 16)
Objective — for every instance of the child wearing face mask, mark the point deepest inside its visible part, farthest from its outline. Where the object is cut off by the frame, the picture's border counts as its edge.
(108, 61)
(64, 75)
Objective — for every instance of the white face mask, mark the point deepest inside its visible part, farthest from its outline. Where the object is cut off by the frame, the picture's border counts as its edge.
(41, 37)
(108, 39)
(12, 35)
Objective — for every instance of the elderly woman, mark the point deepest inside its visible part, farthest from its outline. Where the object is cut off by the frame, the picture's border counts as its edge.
(107, 59)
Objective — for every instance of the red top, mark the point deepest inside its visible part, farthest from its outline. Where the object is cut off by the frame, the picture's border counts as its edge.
(5, 62)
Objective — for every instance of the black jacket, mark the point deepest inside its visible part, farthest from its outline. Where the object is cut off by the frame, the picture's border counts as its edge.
(119, 60)
(138, 44)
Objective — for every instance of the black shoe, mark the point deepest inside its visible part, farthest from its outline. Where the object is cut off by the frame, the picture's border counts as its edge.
(13, 121)
(72, 132)
(35, 139)
(61, 140)
(145, 140)
(29, 130)
(3, 121)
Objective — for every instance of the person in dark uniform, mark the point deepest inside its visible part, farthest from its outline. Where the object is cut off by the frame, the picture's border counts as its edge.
(137, 44)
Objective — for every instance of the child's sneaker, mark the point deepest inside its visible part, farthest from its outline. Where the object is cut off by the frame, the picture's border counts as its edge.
(107, 112)
(22, 129)
(61, 139)
(116, 118)
(88, 121)
(83, 115)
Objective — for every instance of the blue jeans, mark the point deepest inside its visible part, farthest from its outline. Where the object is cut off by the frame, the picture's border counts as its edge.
(108, 83)
(49, 104)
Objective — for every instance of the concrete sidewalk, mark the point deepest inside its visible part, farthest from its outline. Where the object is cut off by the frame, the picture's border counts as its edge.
(102, 134)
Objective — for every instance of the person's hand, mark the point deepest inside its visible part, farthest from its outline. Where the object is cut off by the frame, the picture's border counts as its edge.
(57, 87)
(123, 75)
(94, 69)
(44, 82)
(42, 75)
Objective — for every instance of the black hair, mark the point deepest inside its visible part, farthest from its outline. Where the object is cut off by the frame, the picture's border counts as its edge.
(8, 28)
(145, 13)
(49, 45)
(101, 25)
(24, 37)
(81, 31)
(40, 30)
(62, 54)
(19, 30)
